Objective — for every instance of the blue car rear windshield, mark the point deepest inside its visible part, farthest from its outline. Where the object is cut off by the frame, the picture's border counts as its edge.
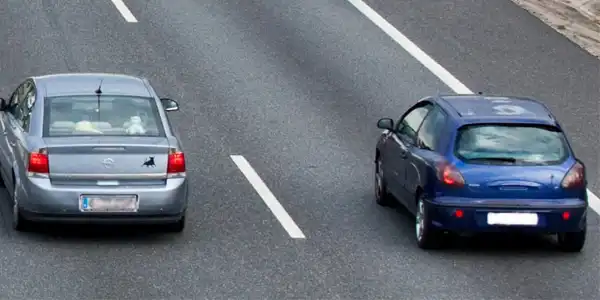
(111, 116)
(511, 144)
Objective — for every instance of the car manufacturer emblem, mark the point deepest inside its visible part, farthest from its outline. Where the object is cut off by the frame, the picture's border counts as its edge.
(108, 162)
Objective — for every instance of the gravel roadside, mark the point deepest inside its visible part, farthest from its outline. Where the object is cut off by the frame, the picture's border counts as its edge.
(578, 20)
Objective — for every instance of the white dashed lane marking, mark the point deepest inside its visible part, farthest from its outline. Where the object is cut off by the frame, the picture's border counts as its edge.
(125, 12)
(263, 191)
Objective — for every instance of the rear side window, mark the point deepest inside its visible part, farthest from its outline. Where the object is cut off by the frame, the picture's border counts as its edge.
(432, 128)
(111, 116)
(409, 125)
(511, 144)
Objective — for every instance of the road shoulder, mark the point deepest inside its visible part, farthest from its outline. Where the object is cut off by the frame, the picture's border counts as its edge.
(578, 20)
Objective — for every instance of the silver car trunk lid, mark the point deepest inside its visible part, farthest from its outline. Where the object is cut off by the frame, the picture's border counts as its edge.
(107, 158)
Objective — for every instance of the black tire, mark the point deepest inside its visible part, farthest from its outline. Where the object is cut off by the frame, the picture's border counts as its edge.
(176, 227)
(19, 223)
(22, 225)
(572, 241)
(382, 196)
(2, 183)
(426, 236)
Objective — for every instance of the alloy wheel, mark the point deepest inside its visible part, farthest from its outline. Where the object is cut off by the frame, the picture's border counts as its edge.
(420, 220)
(15, 216)
(378, 181)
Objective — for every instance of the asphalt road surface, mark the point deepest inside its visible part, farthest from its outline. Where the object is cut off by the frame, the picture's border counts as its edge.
(295, 88)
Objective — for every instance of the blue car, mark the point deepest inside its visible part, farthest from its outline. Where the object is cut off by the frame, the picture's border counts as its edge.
(478, 163)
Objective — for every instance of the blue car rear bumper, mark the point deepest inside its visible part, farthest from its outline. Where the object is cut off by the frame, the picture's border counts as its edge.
(442, 213)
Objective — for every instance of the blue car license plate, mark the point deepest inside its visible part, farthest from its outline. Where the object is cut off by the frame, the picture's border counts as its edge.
(108, 203)
(514, 219)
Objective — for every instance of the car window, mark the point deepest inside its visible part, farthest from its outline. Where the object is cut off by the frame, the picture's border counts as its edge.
(409, 125)
(22, 110)
(432, 128)
(111, 116)
(14, 100)
(517, 144)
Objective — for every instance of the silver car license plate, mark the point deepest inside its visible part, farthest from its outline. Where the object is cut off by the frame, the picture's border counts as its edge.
(108, 203)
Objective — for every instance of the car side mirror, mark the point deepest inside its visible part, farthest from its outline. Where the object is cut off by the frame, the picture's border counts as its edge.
(385, 123)
(169, 104)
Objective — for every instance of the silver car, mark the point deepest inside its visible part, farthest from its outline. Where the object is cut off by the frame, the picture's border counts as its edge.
(91, 148)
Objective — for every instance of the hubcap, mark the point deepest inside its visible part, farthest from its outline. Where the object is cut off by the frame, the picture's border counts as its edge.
(15, 208)
(420, 221)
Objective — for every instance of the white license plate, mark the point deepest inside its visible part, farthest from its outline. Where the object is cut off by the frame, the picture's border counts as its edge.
(519, 219)
(108, 203)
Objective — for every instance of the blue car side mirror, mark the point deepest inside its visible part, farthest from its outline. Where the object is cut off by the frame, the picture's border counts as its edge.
(385, 123)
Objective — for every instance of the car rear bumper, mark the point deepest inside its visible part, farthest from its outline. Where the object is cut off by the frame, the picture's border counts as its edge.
(88, 218)
(41, 201)
(442, 213)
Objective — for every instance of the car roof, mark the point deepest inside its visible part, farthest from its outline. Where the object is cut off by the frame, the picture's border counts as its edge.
(473, 109)
(68, 84)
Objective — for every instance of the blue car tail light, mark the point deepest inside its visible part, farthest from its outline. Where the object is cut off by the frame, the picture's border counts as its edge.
(575, 177)
(450, 175)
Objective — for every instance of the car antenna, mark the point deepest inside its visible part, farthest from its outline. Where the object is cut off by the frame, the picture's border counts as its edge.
(98, 93)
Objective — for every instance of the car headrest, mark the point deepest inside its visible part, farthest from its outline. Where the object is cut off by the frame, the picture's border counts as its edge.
(102, 125)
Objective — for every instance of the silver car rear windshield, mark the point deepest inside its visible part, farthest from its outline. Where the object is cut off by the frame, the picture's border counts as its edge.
(520, 144)
(111, 116)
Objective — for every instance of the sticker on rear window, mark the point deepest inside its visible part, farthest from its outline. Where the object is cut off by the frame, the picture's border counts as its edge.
(500, 100)
(509, 110)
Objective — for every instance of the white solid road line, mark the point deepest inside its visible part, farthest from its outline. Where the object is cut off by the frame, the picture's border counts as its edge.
(125, 12)
(411, 48)
(439, 71)
(263, 191)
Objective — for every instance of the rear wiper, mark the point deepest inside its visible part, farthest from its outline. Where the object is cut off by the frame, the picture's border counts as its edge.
(501, 159)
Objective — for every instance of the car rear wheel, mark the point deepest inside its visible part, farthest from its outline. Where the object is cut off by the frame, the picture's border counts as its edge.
(2, 183)
(176, 227)
(426, 235)
(382, 196)
(19, 223)
(572, 241)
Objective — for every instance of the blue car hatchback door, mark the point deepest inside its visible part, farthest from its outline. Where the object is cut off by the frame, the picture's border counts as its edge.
(476, 164)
